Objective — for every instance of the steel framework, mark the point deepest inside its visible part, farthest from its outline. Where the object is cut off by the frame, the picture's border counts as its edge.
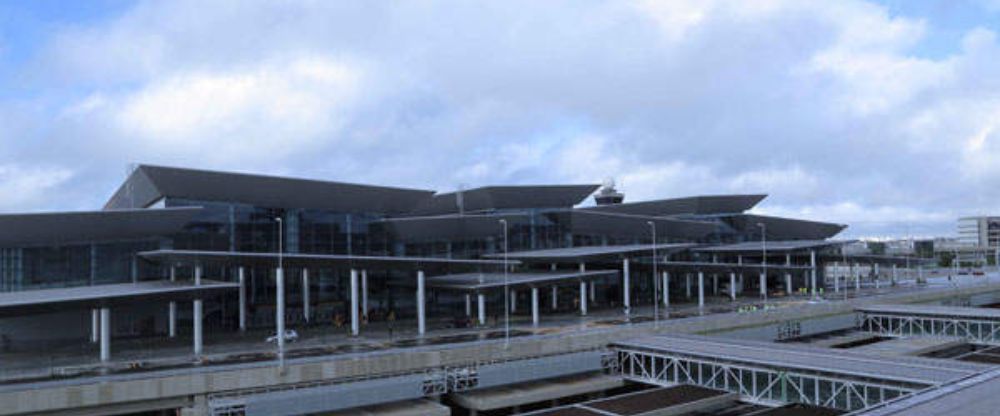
(759, 383)
(973, 330)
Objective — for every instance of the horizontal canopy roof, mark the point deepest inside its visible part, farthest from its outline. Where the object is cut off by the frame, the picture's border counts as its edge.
(757, 247)
(18, 230)
(147, 184)
(491, 198)
(934, 310)
(313, 260)
(695, 205)
(83, 297)
(484, 281)
(704, 265)
(779, 228)
(923, 371)
(574, 254)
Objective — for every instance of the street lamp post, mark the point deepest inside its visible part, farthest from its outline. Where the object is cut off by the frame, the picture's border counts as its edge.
(763, 280)
(506, 290)
(280, 294)
(656, 289)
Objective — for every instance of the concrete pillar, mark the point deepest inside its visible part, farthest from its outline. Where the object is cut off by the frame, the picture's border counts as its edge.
(95, 325)
(421, 317)
(625, 288)
(857, 276)
(105, 334)
(593, 290)
(732, 286)
(468, 305)
(534, 306)
(666, 289)
(513, 300)
(555, 297)
(481, 300)
(836, 278)
(715, 283)
(687, 284)
(701, 289)
(243, 298)
(583, 298)
(355, 321)
(364, 294)
(788, 283)
(198, 314)
(279, 313)
(172, 309)
(763, 284)
(306, 307)
(812, 262)
(893, 275)
(739, 260)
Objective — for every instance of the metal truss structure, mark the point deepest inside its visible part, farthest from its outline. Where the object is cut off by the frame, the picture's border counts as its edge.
(759, 383)
(895, 325)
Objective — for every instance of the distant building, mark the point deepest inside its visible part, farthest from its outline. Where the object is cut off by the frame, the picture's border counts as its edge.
(979, 232)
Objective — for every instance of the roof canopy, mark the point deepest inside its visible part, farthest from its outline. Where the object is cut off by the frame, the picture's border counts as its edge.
(491, 198)
(234, 258)
(83, 297)
(147, 184)
(698, 205)
(574, 254)
(91, 226)
(757, 247)
(484, 281)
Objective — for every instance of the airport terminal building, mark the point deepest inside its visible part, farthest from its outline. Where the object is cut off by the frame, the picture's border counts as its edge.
(253, 252)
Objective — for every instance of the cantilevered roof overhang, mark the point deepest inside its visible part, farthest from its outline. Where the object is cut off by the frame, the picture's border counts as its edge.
(577, 254)
(486, 281)
(757, 247)
(82, 297)
(54, 228)
(711, 266)
(232, 258)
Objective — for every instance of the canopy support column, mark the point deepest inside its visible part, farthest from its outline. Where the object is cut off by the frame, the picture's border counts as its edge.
(364, 294)
(666, 289)
(625, 288)
(105, 334)
(534, 306)
(355, 324)
(468, 305)
(421, 317)
(306, 308)
(732, 286)
(583, 298)
(95, 325)
(243, 298)
(701, 289)
(481, 300)
(812, 280)
(172, 309)
(197, 315)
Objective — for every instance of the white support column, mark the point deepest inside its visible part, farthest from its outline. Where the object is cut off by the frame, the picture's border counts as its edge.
(732, 286)
(666, 289)
(836, 278)
(788, 274)
(625, 288)
(877, 276)
(95, 325)
(306, 307)
(763, 284)
(421, 317)
(243, 298)
(105, 334)
(857, 277)
(197, 314)
(894, 275)
(468, 305)
(687, 284)
(172, 309)
(364, 294)
(355, 323)
(555, 297)
(701, 289)
(812, 262)
(481, 300)
(583, 298)
(534, 306)
(279, 313)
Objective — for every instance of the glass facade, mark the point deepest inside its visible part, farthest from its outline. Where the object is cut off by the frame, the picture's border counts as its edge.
(28, 268)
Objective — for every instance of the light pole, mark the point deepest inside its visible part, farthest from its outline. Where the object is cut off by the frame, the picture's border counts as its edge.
(763, 280)
(279, 318)
(656, 289)
(506, 290)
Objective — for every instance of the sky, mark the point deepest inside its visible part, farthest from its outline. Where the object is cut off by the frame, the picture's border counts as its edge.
(883, 115)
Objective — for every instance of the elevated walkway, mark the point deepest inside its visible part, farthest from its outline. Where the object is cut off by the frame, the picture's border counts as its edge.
(977, 325)
(782, 373)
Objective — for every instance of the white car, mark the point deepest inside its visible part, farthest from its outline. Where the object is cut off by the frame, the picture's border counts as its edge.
(290, 336)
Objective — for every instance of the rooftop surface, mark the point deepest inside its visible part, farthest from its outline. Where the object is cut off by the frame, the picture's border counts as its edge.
(43, 300)
(933, 311)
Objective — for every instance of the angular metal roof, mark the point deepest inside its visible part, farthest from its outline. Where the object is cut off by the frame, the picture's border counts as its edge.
(756, 247)
(451, 227)
(80, 297)
(483, 281)
(490, 198)
(53, 228)
(626, 225)
(986, 314)
(574, 254)
(147, 184)
(699, 205)
(779, 228)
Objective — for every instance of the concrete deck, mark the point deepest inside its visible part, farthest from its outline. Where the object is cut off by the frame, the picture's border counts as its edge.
(522, 394)
(912, 346)
(407, 408)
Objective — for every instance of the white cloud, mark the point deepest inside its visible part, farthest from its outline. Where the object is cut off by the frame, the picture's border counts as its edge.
(28, 187)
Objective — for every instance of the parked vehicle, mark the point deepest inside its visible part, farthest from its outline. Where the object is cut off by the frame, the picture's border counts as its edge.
(290, 336)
